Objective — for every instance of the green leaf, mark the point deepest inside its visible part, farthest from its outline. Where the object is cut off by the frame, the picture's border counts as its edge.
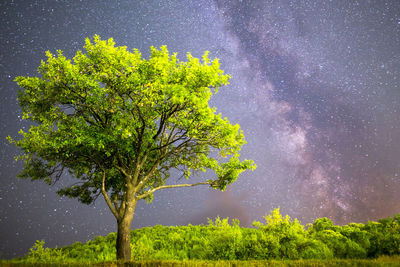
(109, 111)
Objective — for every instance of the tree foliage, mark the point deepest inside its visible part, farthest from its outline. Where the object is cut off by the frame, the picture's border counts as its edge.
(119, 123)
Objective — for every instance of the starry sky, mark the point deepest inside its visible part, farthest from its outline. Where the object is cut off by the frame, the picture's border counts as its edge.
(315, 86)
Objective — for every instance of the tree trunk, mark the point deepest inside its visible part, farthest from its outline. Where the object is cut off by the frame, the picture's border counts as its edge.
(123, 244)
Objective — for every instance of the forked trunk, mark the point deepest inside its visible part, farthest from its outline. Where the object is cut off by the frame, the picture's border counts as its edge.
(123, 244)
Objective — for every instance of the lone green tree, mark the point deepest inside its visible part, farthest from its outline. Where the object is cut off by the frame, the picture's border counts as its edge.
(120, 123)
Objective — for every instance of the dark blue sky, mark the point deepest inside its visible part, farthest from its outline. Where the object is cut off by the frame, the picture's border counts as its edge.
(315, 86)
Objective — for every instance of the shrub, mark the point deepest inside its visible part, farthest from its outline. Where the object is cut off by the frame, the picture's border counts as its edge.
(278, 237)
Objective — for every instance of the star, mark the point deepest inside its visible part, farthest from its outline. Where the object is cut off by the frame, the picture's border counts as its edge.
(314, 87)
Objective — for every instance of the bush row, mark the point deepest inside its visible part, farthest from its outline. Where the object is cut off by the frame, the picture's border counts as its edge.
(278, 237)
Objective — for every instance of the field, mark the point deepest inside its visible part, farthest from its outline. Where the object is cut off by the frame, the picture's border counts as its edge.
(381, 261)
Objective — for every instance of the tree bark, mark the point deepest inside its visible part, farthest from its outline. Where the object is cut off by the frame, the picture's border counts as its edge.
(123, 243)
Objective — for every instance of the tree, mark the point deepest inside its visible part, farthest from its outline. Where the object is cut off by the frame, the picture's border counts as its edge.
(120, 123)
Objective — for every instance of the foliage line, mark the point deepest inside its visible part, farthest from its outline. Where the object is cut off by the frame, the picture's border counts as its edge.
(278, 238)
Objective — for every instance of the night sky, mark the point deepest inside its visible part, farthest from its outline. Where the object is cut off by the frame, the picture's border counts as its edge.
(315, 86)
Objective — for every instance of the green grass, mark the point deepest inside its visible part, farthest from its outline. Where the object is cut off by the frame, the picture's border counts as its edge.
(381, 261)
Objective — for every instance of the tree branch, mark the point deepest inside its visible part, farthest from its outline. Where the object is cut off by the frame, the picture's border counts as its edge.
(115, 202)
(161, 126)
(106, 197)
(159, 160)
(164, 119)
(169, 186)
(121, 166)
(169, 142)
(149, 174)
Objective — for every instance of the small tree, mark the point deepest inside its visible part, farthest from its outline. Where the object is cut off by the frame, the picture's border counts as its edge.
(119, 123)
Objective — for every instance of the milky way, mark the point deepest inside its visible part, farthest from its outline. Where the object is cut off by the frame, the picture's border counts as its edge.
(326, 83)
(315, 87)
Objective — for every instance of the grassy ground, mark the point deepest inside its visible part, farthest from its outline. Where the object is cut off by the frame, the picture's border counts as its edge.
(381, 261)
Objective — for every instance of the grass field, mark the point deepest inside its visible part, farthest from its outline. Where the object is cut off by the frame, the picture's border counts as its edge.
(381, 261)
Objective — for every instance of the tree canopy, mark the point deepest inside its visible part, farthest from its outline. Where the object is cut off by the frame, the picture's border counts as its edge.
(115, 120)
